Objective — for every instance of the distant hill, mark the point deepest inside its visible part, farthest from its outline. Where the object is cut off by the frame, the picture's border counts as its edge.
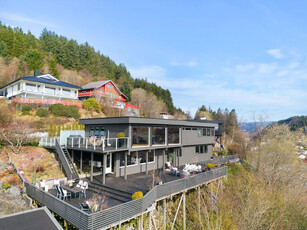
(295, 122)
(251, 127)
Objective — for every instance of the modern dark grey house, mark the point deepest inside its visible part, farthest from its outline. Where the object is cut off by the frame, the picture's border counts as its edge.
(128, 145)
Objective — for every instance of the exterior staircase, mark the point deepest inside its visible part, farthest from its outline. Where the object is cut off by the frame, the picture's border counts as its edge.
(66, 161)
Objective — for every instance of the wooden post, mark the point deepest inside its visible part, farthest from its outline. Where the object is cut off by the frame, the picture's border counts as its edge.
(199, 217)
(164, 214)
(104, 168)
(184, 214)
(146, 162)
(163, 152)
(126, 165)
(81, 162)
(92, 165)
(142, 219)
(150, 216)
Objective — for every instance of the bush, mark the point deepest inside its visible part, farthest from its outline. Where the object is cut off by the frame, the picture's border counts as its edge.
(92, 105)
(137, 195)
(42, 112)
(210, 166)
(31, 143)
(67, 111)
(13, 180)
(121, 135)
(26, 110)
(39, 124)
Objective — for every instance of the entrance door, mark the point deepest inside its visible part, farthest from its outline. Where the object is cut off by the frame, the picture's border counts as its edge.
(109, 163)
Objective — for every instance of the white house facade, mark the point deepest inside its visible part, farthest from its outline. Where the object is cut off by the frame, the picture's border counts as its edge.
(43, 86)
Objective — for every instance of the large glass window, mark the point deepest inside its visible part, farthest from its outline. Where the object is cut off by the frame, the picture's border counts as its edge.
(173, 135)
(66, 92)
(31, 87)
(201, 149)
(50, 91)
(200, 132)
(131, 159)
(91, 132)
(139, 136)
(212, 132)
(142, 157)
(158, 135)
(97, 131)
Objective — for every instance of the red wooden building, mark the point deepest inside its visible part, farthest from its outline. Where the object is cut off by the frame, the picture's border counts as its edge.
(105, 92)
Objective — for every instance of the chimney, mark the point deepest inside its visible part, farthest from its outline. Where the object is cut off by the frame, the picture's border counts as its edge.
(36, 73)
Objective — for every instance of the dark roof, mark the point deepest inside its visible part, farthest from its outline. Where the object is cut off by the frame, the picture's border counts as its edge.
(34, 219)
(44, 80)
(97, 84)
(147, 121)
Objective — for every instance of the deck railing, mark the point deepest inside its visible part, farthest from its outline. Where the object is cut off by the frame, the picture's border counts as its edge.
(125, 211)
(98, 144)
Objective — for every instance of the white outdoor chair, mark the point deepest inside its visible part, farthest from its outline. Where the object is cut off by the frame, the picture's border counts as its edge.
(66, 194)
(55, 183)
(42, 185)
(59, 194)
(80, 184)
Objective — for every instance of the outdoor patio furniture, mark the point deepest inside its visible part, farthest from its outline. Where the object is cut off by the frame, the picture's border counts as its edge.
(55, 183)
(85, 207)
(66, 194)
(74, 191)
(42, 185)
(59, 194)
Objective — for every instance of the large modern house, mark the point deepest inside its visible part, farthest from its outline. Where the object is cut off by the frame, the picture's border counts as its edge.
(129, 145)
(42, 89)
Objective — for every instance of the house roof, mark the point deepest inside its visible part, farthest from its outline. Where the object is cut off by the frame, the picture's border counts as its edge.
(147, 121)
(47, 79)
(98, 84)
(34, 219)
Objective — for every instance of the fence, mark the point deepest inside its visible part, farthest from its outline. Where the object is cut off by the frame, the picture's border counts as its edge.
(45, 101)
(125, 211)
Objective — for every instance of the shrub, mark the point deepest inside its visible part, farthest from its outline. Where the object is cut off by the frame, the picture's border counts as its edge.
(92, 105)
(42, 112)
(26, 110)
(67, 111)
(57, 109)
(137, 195)
(210, 166)
(39, 124)
(121, 135)
(31, 143)
(13, 180)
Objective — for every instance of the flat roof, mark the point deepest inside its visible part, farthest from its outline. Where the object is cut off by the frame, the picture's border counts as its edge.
(147, 121)
(34, 219)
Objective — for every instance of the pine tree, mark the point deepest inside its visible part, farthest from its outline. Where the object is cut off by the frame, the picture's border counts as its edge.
(53, 67)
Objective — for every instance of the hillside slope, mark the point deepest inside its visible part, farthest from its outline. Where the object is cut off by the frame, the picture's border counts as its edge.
(66, 59)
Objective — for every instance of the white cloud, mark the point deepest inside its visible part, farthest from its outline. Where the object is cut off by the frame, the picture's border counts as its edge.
(151, 73)
(244, 68)
(293, 65)
(276, 53)
(19, 18)
(267, 68)
(282, 73)
(190, 63)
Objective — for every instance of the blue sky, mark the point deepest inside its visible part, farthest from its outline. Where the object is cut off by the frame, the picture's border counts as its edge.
(246, 55)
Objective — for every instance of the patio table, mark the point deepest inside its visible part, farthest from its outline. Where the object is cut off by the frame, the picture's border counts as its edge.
(73, 190)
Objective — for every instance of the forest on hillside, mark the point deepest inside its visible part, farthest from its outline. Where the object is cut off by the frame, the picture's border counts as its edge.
(295, 123)
(23, 53)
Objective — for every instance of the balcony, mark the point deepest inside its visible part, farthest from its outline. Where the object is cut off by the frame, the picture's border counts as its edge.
(98, 144)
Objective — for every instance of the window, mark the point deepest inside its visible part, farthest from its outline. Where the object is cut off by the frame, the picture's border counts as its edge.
(83, 91)
(102, 131)
(200, 132)
(201, 149)
(109, 86)
(142, 157)
(212, 132)
(131, 159)
(139, 136)
(38, 88)
(18, 86)
(173, 135)
(31, 87)
(66, 92)
(50, 91)
(97, 131)
(91, 132)
(158, 135)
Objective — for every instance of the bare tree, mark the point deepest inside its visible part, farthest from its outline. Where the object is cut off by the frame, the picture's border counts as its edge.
(16, 133)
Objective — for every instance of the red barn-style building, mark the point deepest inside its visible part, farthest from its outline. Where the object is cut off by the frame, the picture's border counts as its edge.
(105, 92)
